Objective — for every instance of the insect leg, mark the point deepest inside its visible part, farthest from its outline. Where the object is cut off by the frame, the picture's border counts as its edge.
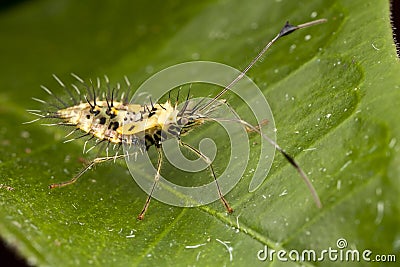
(262, 123)
(87, 167)
(207, 160)
(289, 158)
(156, 178)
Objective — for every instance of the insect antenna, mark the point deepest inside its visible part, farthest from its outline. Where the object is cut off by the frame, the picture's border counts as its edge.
(289, 158)
(287, 29)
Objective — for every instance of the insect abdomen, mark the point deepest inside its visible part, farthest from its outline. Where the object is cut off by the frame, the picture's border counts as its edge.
(122, 123)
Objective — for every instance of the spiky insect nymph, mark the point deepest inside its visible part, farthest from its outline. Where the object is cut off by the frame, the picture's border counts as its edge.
(107, 117)
(118, 122)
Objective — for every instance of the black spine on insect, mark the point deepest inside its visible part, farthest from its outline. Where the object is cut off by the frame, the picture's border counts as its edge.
(57, 109)
(185, 105)
(110, 101)
(161, 106)
(110, 105)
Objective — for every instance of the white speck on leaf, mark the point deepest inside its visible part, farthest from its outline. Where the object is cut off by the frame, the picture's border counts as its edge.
(284, 192)
(392, 142)
(345, 165)
(339, 184)
(225, 243)
(196, 246)
(380, 210)
(378, 191)
(376, 48)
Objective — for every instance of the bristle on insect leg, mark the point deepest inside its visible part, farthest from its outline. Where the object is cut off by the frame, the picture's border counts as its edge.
(156, 178)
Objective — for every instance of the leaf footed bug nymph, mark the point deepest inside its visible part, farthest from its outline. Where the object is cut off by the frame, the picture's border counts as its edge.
(109, 119)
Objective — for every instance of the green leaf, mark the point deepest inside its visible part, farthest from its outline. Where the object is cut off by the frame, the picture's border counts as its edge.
(333, 89)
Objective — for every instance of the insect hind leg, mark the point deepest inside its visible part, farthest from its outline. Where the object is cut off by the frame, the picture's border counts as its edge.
(86, 168)
(156, 179)
(207, 160)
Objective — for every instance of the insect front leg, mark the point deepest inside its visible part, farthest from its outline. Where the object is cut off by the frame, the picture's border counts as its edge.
(207, 160)
(86, 168)
(156, 179)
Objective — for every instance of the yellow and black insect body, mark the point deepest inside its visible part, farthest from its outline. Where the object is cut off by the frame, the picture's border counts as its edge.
(110, 119)
(117, 122)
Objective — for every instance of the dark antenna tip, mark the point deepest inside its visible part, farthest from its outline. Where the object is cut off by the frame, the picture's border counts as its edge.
(287, 29)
